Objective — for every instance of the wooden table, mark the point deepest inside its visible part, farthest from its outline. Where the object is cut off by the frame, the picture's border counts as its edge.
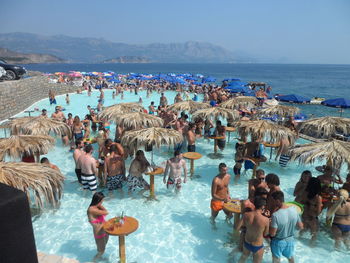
(229, 130)
(216, 138)
(271, 145)
(192, 156)
(234, 206)
(157, 171)
(130, 225)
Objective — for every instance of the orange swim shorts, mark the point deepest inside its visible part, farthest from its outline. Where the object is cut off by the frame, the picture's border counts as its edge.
(216, 205)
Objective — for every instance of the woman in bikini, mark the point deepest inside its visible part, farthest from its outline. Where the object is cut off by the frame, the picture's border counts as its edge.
(78, 128)
(96, 215)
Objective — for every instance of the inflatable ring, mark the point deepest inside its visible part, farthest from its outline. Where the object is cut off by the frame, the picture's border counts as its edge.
(299, 207)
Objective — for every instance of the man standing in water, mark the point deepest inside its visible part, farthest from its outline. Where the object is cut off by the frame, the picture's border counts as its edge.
(220, 192)
(257, 227)
(88, 169)
(175, 165)
(282, 229)
(114, 170)
(163, 101)
(76, 154)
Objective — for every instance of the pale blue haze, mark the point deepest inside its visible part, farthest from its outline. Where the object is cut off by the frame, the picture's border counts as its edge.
(298, 31)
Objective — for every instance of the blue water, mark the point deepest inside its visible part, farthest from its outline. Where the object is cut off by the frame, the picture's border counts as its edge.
(176, 228)
(327, 81)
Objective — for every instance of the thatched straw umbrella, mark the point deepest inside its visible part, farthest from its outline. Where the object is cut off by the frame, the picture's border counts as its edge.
(281, 110)
(38, 181)
(325, 127)
(136, 120)
(266, 129)
(16, 145)
(114, 111)
(189, 105)
(152, 136)
(216, 112)
(240, 100)
(333, 151)
(39, 126)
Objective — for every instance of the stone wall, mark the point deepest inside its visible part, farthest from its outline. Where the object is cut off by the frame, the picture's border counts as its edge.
(17, 95)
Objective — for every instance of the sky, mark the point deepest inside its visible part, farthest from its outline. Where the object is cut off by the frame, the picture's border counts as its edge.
(297, 31)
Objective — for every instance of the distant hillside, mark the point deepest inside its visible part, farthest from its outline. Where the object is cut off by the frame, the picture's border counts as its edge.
(27, 58)
(74, 49)
(127, 59)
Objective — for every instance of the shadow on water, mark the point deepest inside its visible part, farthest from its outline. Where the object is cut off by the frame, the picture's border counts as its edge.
(72, 246)
(213, 242)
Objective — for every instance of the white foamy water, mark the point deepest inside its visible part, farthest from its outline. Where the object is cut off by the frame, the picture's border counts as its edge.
(175, 228)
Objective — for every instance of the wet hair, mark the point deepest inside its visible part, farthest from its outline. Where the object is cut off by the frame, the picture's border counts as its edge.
(108, 141)
(43, 110)
(44, 160)
(278, 195)
(70, 114)
(313, 187)
(306, 172)
(78, 142)
(260, 191)
(113, 148)
(139, 152)
(259, 171)
(182, 114)
(177, 152)
(152, 102)
(259, 202)
(221, 165)
(272, 179)
(96, 198)
(88, 148)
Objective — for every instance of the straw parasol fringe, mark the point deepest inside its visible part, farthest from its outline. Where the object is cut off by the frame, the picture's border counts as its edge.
(45, 182)
(262, 129)
(40, 125)
(281, 110)
(188, 105)
(16, 145)
(216, 112)
(152, 136)
(335, 151)
(325, 126)
(136, 120)
(114, 111)
(240, 100)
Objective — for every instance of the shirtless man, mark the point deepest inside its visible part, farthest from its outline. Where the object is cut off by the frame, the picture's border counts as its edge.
(46, 161)
(220, 131)
(88, 169)
(273, 182)
(138, 166)
(163, 101)
(257, 227)
(254, 183)
(58, 114)
(175, 165)
(76, 154)
(283, 151)
(114, 170)
(191, 137)
(220, 192)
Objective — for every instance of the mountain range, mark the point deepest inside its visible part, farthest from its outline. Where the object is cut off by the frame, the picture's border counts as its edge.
(97, 50)
(26, 58)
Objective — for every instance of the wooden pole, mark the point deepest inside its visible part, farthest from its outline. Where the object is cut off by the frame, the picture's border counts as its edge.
(192, 167)
(122, 249)
(152, 195)
(215, 146)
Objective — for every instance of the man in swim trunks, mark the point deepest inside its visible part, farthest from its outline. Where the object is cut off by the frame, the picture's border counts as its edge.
(283, 150)
(76, 154)
(175, 165)
(282, 229)
(58, 114)
(257, 226)
(220, 131)
(191, 137)
(163, 101)
(220, 192)
(114, 170)
(88, 169)
(137, 168)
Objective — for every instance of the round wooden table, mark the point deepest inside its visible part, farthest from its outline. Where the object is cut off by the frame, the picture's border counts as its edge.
(234, 206)
(157, 171)
(229, 130)
(130, 225)
(192, 156)
(271, 145)
(216, 138)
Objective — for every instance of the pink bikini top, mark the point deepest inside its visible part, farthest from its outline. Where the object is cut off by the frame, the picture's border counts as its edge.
(99, 219)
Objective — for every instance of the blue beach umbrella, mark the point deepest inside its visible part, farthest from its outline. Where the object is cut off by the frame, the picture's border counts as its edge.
(209, 79)
(337, 103)
(114, 80)
(232, 80)
(237, 89)
(293, 98)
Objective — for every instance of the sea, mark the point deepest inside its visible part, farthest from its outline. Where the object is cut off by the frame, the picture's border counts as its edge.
(309, 80)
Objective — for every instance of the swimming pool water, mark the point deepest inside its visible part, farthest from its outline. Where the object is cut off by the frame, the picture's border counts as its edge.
(176, 228)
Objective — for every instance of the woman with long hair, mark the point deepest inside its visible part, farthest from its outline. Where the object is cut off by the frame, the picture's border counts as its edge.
(78, 128)
(312, 202)
(96, 215)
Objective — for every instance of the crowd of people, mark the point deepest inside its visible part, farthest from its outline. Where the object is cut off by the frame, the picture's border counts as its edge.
(265, 216)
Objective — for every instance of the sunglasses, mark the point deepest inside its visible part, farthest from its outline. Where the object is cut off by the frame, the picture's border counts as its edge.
(261, 178)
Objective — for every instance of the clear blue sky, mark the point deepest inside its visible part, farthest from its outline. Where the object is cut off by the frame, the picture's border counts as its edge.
(305, 31)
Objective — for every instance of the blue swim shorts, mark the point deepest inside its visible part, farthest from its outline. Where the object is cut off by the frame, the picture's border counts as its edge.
(283, 247)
